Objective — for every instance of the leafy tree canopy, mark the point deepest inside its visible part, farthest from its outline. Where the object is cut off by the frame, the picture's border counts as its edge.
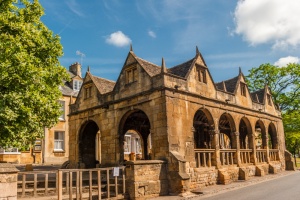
(284, 83)
(30, 73)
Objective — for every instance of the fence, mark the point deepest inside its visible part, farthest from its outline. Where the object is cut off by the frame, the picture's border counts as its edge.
(274, 154)
(97, 183)
(204, 157)
(245, 155)
(227, 156)
(35, 183)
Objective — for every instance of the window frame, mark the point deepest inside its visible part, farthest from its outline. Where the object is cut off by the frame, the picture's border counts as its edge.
(131, 74)
(62, 117)
(201, 74)
(77, 85)
(60, 139)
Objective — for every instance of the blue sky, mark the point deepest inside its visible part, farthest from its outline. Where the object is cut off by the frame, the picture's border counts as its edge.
(229, 33)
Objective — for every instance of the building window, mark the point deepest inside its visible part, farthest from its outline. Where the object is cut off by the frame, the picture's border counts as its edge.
(62, 110)
(77, 85)
(59, 141)
(131, 75)
(243, 89)
(269, 99)
(88, 92)
(201, 75)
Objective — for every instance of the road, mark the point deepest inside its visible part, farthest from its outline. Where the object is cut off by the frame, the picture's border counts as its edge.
(286, 188)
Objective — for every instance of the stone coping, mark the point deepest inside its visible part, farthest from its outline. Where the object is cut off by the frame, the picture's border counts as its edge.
(145, 162)
(7, 168)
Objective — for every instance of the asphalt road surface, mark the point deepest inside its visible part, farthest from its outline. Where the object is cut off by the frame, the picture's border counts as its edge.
(283, 188)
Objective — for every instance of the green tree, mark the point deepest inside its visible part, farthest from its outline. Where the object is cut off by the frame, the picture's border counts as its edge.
(284, 83)
(30, 73)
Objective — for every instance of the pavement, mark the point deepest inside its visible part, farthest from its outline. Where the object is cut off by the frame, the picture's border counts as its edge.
(218, 189)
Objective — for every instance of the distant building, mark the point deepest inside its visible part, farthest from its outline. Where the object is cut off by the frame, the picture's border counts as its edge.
(207, 132)
(54, 147)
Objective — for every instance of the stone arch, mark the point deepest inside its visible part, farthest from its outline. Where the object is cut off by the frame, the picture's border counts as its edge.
(135, 120)
(87, 144)
(245, 131)
(260, 135)
(226, 128)
(272, 133)
(203, 123)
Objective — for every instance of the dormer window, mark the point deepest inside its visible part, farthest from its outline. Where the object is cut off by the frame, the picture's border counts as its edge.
(243, 89)
(77, 85)
(131, 75)
(201, 74)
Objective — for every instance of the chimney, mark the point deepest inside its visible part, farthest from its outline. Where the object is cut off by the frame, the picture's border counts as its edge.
(75, 69)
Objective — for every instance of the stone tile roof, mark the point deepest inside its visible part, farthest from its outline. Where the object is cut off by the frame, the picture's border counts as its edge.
(258, 96)
(182, 69)
(103, 85)
(230, 84)
(150, 68)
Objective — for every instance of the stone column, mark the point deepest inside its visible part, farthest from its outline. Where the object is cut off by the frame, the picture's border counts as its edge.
(253, 147)
(235, 136)
(8, 181)
(267, 147)
(215, 144)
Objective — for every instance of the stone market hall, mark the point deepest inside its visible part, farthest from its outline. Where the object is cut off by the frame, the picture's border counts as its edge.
(175, 128)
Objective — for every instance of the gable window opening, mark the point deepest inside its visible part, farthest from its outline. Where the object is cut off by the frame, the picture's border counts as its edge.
(131, 75)
(201, 75)
(62, 110)
(77, 85)
(243, 89)
(88, 92)
(59, 140)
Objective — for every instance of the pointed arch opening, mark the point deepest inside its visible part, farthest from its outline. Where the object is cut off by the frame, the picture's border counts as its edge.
(203, 124)
(245, 134)
(260, 135)
(89, 145)
(226, 127)
(135, 137)
(272, 142)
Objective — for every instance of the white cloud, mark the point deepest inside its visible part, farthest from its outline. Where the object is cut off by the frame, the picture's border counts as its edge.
(286, 60)
(269, 21)
(152, 34)
(118, 39)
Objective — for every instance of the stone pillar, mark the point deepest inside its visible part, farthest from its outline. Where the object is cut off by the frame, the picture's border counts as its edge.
(253, 147)
(146, 178)
(267, 147)
(216, 145)
(236, 144)
(8, 181)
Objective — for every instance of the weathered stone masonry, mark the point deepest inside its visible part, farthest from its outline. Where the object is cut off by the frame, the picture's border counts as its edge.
(206, 132)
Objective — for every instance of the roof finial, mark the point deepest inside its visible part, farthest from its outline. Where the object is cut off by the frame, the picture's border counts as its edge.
(163, 66)
(240, 70)
(131, 49)
(88, 69)
(197, 50)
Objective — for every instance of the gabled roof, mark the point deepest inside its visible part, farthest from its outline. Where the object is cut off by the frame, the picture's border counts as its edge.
(230, 85)
(258, 96)
(103, 85)
(182, 69)
(149, 67)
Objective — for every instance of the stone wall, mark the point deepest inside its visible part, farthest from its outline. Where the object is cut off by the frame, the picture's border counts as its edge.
(146, 178)
(8, 181)
(201, 177)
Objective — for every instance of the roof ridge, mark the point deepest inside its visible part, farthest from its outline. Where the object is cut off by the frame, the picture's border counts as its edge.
(148, 62)
(104, 79)
(182, 63)
(227, 79)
